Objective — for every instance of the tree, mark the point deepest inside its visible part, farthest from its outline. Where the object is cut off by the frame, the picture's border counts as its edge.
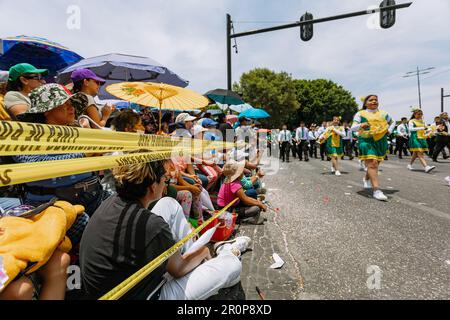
(274, 92)
(322, 99)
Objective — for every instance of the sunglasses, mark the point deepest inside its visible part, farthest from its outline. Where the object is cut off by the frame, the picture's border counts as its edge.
(97, 82)
(33, 77)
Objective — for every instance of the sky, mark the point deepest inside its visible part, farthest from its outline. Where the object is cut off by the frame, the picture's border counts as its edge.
(189, 37)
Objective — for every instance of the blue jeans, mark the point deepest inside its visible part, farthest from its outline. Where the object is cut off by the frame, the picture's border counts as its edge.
(251, 193)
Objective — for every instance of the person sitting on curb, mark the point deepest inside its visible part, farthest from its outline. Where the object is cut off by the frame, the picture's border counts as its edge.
(109, 253)
(86, 85)
(84, 189)
(23, 78)
(248, 209)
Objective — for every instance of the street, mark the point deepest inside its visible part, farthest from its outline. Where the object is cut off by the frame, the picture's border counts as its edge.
(336, 239)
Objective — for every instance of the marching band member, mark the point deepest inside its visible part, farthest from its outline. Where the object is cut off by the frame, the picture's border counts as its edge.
(333, 139)
(284, 140)
(402, 138)
(374, 126)
(418, 139)
(312, 141)
(302, 138)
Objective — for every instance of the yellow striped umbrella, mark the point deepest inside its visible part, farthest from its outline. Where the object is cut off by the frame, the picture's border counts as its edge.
(161, 95)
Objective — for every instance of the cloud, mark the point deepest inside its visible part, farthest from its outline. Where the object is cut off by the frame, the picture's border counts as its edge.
(189, 37)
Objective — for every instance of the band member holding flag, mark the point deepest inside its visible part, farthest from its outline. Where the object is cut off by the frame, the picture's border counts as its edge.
(373, 126)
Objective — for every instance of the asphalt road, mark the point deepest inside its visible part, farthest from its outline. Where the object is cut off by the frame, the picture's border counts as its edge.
(340, 243)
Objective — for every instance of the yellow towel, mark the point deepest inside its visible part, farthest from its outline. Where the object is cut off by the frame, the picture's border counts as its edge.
(24, 241)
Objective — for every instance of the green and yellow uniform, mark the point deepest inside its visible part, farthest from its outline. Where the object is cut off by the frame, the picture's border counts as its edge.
(418, 137)
(373, 141)
(333, 142)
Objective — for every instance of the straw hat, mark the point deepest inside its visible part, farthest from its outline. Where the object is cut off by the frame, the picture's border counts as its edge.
(232, 170)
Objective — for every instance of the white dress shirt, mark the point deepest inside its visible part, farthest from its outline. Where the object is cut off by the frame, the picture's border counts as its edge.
(403, 130)
(284, 136)
(312, 135)
(302, 134)
(348, 134)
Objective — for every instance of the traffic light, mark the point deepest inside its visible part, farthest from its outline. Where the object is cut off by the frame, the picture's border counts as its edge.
(306, 30)
(387, 16)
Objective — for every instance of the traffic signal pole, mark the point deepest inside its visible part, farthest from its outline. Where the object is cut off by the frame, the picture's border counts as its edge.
(386, 10)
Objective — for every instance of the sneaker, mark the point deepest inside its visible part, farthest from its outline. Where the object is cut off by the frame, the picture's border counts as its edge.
(429, 168)
(448, 180)
(410, 167)
(338, 173)
(379, 195)
(237, 246)
(333, 170)
(367, 184)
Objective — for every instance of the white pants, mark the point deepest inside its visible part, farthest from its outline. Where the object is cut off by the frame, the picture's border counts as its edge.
(207, 279)
(172, 213)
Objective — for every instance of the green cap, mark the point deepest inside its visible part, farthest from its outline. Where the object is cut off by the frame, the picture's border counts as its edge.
(24, 68)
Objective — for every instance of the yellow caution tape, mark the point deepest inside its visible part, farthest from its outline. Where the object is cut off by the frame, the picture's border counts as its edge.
(11, 174)
(128, 284)
(31, 138)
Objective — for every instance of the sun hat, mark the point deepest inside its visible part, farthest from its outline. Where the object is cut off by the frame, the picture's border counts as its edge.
(81, 74)
(48, 97)
(232, 170)
(22, 69)
(184, 117)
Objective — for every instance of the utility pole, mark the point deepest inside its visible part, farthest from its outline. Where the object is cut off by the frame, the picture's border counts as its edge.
(417, 74)
(442, 99)
(387, 12)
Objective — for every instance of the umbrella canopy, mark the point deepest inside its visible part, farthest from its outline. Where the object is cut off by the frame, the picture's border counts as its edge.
(39, 52)
(117, 68)
(241, 107)
(159, 95)
(224, 97)
(254, 114)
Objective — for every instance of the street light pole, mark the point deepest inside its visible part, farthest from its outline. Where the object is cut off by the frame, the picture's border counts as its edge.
(417, 74)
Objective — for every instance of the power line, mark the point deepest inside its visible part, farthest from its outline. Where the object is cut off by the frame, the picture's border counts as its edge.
(436, 74)
(417, 74)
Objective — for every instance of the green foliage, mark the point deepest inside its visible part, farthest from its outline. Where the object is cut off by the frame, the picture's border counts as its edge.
(213, 107)
(290, 101)
(322, 99)
(273, 92)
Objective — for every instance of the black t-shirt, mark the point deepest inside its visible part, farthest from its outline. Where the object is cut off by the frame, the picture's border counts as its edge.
(121, 238)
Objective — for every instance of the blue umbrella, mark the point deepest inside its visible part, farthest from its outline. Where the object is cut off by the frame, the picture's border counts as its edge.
(117, 68)
(40, 52)
(241, 107)
(254, 114)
